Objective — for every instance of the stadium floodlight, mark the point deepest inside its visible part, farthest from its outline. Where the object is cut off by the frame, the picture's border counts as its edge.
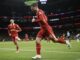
(56, 19)
(36, 27)
(43, 1)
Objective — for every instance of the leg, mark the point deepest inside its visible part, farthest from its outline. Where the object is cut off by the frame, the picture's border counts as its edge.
(15, 42)
(38, 44)
(58, 40)
(38, 48)
(63, 41)
(55, 39)
(51, 34)
(17, 38)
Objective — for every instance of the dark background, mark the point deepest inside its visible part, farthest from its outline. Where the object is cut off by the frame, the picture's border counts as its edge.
(67, 13)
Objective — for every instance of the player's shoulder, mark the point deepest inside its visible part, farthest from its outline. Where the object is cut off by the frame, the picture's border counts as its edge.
(41, 11)
(9, 25)
(16, 24)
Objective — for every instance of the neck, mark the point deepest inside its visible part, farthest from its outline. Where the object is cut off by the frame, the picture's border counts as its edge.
(37, 9)
(12, 23)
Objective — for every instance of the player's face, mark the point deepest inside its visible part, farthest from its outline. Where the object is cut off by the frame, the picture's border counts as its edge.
(33, 8)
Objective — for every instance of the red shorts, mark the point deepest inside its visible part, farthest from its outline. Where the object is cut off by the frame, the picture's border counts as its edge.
(13, 37)
(45, 32)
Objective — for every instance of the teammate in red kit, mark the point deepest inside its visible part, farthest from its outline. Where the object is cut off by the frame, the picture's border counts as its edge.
(13, 30)
(45, 31)
(26, 37)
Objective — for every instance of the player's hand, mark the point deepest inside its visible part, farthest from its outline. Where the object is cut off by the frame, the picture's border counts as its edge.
(9, 34)
(33, 20)
(17, 30)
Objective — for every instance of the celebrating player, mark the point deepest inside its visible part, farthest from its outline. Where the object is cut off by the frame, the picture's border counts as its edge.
(45, 30)
(13, 30)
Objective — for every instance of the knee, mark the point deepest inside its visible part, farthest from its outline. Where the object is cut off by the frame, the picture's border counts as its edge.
(38, 42)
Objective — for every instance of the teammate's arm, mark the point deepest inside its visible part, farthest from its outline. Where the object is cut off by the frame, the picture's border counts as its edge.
(9, 31)
(19, 29)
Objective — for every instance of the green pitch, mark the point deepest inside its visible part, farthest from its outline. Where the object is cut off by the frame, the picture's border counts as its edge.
(50, 51)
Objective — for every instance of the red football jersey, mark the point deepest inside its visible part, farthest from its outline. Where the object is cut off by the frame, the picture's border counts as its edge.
(42, 18)
(13, 29)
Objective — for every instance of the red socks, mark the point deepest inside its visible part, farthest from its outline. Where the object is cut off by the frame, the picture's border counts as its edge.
(17, 48)
(61, 40)
(38, 48)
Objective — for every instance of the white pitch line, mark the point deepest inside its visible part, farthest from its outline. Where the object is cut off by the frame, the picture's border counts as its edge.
(11, 49)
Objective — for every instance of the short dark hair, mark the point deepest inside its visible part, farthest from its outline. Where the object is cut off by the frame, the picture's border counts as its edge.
(34, 4)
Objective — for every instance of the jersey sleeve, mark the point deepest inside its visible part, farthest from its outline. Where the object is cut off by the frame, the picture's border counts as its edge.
(8, 27)
(41, 16)
(18, 27)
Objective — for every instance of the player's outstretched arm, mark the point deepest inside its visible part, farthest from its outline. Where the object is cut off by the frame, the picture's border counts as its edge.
(19, 29)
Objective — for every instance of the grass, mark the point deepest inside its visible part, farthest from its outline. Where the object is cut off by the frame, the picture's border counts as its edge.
(50, 51)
